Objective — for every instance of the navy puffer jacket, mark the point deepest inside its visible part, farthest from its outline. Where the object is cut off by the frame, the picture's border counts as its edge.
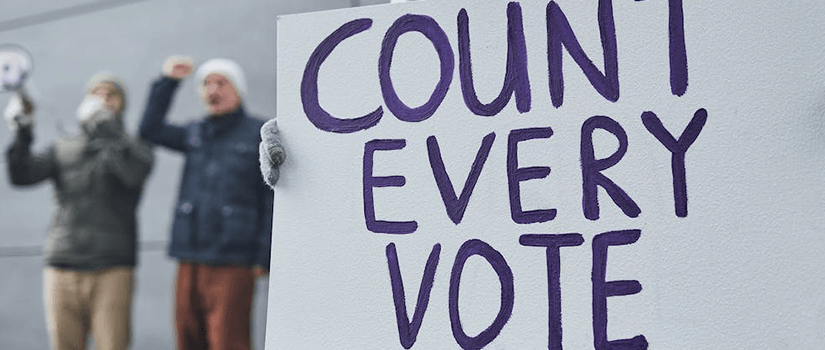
(224, 211)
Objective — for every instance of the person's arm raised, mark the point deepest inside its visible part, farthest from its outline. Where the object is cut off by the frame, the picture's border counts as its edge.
(153, 126)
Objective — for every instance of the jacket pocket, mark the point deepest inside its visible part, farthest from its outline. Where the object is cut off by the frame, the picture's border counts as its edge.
(183, 226)
(243, 174)
(240, 225)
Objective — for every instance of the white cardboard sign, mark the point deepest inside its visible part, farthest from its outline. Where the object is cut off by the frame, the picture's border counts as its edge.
(551, 174)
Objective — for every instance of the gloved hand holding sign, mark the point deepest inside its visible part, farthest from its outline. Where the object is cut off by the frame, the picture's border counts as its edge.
(271, 152)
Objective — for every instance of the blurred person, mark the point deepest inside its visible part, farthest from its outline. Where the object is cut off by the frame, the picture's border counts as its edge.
(223, 217)
(98, 175)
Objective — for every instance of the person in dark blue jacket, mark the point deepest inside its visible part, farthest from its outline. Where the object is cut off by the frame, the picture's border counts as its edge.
(223, 219)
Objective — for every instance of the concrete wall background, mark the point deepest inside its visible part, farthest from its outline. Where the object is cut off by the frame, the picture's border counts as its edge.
(131, 39)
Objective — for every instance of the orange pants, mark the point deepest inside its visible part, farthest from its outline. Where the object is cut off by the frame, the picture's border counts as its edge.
(213, 305)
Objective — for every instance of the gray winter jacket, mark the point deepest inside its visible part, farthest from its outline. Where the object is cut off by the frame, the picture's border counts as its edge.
(98, 177)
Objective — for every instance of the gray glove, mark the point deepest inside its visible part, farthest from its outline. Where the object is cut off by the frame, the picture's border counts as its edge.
(271, 153)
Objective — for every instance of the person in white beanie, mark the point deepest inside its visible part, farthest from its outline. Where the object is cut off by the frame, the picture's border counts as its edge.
(223, 217)
(91, 244)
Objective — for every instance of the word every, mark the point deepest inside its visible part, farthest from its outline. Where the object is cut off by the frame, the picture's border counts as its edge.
(592, 168)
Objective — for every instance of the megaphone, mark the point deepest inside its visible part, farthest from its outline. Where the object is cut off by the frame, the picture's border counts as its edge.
(16, 66)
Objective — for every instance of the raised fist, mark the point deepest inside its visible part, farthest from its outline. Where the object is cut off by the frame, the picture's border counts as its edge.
(177, 67)
(18, 112)
(271, 152)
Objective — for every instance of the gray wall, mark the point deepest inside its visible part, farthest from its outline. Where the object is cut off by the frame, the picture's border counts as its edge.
(70, 42)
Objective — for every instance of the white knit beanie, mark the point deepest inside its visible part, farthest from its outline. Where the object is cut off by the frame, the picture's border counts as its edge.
(226, 67)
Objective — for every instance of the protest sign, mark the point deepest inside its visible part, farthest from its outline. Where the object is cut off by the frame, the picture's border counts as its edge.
(550, 174)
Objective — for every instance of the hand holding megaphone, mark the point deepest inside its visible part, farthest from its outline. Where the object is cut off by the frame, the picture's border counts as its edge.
(18, 112)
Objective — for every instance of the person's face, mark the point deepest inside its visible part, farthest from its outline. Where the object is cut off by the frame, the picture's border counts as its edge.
(219, 95)
(108, 93)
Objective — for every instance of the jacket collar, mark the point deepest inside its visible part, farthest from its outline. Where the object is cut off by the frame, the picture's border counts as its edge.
(110, 128)
(216, 125)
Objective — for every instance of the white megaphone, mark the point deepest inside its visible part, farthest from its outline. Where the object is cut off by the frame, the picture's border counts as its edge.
(16, 65)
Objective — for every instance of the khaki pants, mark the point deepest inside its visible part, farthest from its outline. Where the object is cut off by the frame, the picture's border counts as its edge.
(80, 302)
(212, 307)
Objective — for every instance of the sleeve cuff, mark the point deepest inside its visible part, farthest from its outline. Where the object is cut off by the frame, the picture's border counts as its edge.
(167, 81)
(24, 134)
(263, 261)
